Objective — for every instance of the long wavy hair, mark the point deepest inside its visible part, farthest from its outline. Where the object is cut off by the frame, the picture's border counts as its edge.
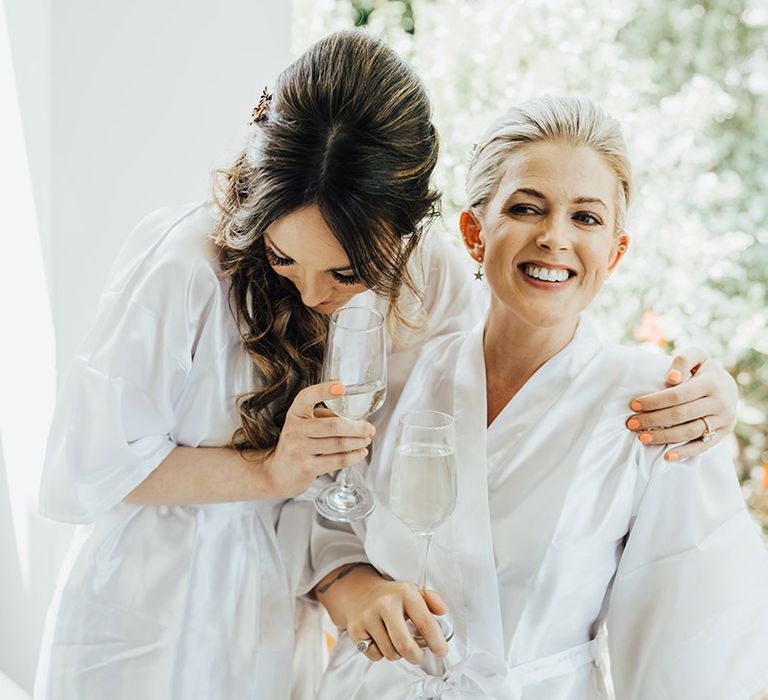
(348, 129)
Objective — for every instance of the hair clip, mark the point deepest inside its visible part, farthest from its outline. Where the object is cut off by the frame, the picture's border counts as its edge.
(259, 112)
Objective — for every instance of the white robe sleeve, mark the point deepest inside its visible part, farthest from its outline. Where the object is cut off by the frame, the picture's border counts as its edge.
(331, 545)
(114, 416)
(688, 613)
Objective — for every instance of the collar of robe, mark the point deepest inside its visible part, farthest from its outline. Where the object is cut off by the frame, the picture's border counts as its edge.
(462, 557)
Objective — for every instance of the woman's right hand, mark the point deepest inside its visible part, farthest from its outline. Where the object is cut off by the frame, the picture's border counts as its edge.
(376, 608)
(314, 442)
(380, 614)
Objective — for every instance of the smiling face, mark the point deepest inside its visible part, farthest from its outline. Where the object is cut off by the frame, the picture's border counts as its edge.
(301, 247)
(547, 236)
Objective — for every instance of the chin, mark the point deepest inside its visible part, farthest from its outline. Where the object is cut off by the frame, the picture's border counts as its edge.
(328, 308)
(325, 310)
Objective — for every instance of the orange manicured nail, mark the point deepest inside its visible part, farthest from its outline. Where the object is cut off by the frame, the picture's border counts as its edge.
(671, 457)
(645, 437)
(674, 376)
(337, 389)
(373, 430)
(636, 406)
(633, 424)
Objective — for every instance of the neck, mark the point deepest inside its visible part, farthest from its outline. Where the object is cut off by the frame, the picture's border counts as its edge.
(514, 350)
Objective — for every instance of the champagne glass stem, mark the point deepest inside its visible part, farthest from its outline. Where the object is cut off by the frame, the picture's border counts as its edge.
(347, 482)
(427, 538)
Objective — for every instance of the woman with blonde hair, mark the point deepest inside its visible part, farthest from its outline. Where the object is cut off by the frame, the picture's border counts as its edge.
(564, 525)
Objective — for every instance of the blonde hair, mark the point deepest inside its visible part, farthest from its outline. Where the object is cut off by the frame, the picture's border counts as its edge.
(576, 121)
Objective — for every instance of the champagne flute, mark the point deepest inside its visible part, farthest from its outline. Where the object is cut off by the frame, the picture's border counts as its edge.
(356, 356)
(422, 494)
(423, 481)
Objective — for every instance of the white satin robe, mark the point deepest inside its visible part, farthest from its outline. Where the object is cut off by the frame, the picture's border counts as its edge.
(178, 603)
(565, 521)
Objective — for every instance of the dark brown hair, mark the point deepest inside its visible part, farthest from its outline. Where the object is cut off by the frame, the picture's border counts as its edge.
(348, 130)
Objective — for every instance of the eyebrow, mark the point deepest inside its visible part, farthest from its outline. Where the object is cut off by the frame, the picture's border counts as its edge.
(539, 195)
(589, 200)
(271, 244)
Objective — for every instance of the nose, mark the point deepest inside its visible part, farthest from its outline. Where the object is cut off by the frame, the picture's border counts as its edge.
(314, 289)
(554, 236)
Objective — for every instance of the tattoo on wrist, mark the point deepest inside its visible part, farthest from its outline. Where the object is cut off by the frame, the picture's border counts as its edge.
(344, 572)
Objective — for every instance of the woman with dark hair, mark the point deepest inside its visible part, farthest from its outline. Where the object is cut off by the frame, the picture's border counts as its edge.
(189, 416)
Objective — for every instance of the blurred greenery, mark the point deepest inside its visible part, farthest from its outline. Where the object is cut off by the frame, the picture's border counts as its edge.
(689, 82)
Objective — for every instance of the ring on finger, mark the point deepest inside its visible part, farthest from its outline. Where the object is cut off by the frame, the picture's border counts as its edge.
(363, 644)
(708, 434)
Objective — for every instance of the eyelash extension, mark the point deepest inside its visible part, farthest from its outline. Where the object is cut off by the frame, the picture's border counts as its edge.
(274, 259)
(279, 261)
(345, 279)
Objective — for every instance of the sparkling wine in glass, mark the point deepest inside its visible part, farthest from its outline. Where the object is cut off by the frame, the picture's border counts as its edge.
(359, 400)
(356, 356)
(423, 481)
(422, 492)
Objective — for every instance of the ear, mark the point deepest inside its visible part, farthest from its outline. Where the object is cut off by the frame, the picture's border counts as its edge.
(620, 247)
(470, 232)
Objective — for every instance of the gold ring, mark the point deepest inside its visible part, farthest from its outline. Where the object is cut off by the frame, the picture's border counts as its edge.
(708, 434)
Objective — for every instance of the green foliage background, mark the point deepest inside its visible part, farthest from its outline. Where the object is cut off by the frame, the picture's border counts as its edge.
(689, 82)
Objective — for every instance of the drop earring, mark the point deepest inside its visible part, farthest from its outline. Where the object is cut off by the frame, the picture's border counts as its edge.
(479, 273)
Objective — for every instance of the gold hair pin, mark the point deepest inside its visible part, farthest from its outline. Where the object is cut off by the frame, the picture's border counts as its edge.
(259, 112)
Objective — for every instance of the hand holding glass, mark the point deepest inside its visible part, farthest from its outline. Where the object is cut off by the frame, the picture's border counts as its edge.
(356, 356)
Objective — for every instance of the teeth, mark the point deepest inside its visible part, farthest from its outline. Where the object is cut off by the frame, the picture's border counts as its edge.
(545, 274)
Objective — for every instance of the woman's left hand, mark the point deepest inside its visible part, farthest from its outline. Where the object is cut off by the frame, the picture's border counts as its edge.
(699, 388)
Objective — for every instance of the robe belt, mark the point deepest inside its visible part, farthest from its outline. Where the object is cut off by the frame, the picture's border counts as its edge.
(489, 676)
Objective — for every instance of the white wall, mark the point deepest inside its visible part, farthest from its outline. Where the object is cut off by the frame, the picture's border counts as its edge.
(29, 545)
(125, 107)
(29, 22)
(148, 97)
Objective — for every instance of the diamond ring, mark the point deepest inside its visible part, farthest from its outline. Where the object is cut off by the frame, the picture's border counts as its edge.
(708, 434)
